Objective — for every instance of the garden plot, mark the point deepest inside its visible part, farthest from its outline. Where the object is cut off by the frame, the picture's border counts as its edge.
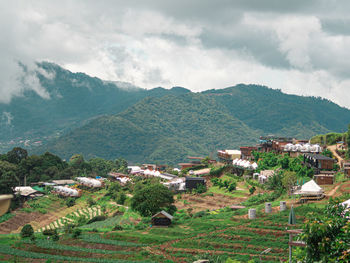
(88, 213)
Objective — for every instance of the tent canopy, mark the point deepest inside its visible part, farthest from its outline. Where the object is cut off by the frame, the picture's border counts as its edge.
(311, 188)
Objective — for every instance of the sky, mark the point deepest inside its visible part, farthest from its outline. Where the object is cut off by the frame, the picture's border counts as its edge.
(300, 47)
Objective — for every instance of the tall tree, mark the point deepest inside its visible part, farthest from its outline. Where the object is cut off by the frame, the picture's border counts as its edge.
(153, 198)
(16, 155)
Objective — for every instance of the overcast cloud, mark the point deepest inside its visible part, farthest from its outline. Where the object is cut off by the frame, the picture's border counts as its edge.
(300, 47)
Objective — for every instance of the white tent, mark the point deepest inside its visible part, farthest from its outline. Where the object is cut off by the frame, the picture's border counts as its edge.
(311, 188)
(147, 172)
(346, 203)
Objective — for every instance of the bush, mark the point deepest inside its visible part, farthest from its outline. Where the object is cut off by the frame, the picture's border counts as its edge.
(200, 214)
(117, 227)
(201, 188)
(49, 232)
(232, 187)
(121, 197)
(70, 201)
(76, 232)
(252, 190)
(96, 218)
(55, 237)
(27, 231)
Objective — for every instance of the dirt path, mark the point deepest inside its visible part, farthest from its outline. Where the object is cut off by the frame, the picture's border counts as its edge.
(333, 149)
(333, 191)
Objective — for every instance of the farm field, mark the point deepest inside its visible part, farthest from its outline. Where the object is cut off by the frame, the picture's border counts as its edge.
(216, 235)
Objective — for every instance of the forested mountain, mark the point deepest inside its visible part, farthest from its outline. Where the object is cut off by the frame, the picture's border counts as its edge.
(270, 111)
(113, 119)
(74, 98)
(168, 128)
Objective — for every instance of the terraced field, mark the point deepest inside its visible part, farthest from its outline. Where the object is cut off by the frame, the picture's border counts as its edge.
(88, 213)
(222, 235)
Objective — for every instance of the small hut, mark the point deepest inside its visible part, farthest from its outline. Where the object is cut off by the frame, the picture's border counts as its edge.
(162, 219)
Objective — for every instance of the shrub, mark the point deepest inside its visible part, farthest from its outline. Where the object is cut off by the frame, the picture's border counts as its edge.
(76, 232)
(55, 237)
(121, 197)
(49, 232)
(232, 187)
(252, 190)
(27, 231)
(96, 218)
(200, 214)
(117, 227)
(201, 188)
(70, 201)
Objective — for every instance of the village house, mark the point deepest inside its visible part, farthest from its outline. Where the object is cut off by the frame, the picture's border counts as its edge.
(318, 162)
(194, 161)
(246, 152)
(227, 156)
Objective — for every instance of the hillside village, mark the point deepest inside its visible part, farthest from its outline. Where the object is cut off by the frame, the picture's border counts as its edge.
(121, 212)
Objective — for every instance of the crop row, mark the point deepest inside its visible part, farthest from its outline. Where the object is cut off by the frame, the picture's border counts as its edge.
(27, 254)
(217, 246)
(54, 245)
(96, 238)
(257, 243)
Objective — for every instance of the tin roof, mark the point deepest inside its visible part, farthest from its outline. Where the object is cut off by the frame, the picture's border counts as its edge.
(164, 214)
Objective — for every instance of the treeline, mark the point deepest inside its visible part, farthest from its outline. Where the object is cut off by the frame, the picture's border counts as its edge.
(17, 168)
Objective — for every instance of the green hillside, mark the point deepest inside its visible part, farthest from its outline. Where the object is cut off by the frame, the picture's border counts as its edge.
(75, 98)
(167, 129)
(273, 112)
(158, 129)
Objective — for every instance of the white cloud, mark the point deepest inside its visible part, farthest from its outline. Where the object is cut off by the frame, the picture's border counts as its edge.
(158, 44)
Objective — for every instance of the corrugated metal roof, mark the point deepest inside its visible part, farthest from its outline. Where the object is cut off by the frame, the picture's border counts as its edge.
(164, 214)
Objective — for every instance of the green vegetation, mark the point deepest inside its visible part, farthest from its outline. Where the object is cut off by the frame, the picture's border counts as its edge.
(27, 231)
(327, 236)
(151, 198)
(328, 139)
(74, 98)
(219, 235)
(6, 217)
(167, 129)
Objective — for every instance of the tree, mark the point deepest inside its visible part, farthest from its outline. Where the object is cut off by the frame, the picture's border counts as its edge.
(16, 155)
(289, 179)
(101, 166)
(121, 165)
(27, 231)
(8, 177)
(113, 189)
(151, 199)
(284, 162)
(327, 236)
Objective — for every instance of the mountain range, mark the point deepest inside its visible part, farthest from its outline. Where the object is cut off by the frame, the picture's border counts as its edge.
(111, 119)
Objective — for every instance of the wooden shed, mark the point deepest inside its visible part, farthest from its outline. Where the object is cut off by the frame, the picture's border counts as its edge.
(347, 169)
(162, 219)
(193, 182)
(319, 161)
(323, 179)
